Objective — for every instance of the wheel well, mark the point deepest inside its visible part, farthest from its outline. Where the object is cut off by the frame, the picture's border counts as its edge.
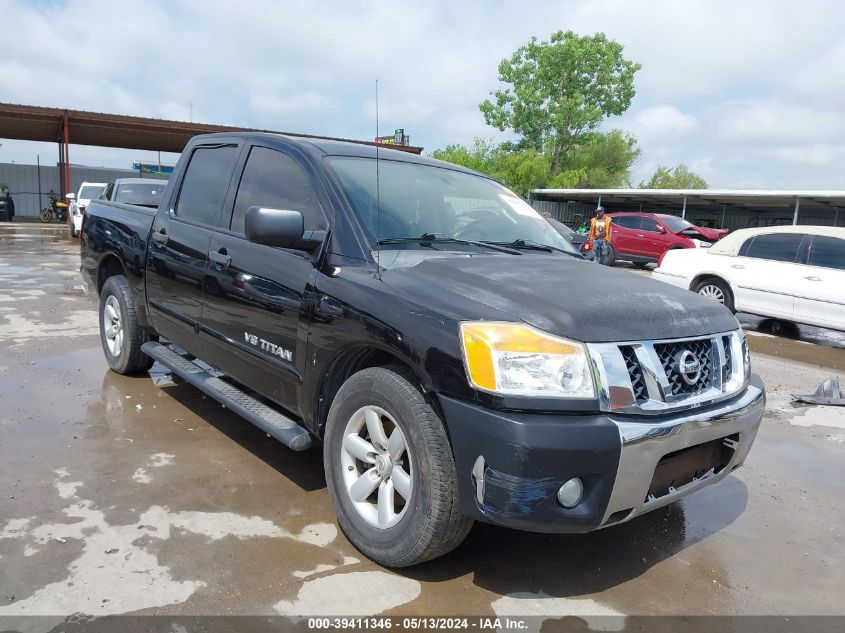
(109, 267)
(705, 276)
(351, 362)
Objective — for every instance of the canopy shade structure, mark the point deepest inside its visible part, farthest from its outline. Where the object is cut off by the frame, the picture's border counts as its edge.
(78, 127)
(34, 123)
(731, 208)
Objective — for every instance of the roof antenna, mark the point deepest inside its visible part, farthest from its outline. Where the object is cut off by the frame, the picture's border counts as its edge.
(378, 198)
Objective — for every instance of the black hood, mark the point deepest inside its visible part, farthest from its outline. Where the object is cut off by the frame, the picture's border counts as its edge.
(573, 298)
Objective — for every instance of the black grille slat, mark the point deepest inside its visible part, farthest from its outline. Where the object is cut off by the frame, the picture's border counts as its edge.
(727, 368)
(635, 371)
(703, 349)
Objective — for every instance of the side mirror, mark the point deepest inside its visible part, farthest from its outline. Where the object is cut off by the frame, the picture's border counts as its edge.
(660, 229)
(283, 228)
(70, 196)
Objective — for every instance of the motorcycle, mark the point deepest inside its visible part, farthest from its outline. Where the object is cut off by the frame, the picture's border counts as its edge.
(56, 208)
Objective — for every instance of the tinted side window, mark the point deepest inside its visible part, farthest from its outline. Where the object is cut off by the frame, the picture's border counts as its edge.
(743, 250)
(781, 247)
(205, 184)
(827, 252)
(627, 221)
(276, 181)
(650, 224)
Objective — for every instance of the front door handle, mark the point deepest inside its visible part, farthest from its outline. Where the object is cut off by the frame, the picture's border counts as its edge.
(813, 278)
(160, 237)
(220, 257)
(738, 266)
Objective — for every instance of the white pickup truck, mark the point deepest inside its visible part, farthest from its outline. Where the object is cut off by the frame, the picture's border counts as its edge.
(88, 191)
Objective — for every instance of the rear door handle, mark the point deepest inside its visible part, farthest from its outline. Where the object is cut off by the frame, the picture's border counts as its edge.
(160, 237)
(220, 257)
(739, 266)
(813, 278)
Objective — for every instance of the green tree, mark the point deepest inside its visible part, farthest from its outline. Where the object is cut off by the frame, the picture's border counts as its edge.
(560, 90)
(601, 160)
(680, 177)
(521, 170)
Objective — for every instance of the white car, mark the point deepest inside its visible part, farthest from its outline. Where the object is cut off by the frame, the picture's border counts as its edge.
(88, 191)
(795, 273)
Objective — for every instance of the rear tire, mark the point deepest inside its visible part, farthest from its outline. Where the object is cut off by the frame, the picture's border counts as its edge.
(120, 334)
(716, 289)
(371, 408)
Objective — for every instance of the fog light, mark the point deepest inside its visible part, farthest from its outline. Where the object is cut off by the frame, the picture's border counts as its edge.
(570, 493)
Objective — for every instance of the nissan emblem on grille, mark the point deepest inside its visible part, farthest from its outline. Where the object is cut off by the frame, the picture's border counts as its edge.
(687, 366)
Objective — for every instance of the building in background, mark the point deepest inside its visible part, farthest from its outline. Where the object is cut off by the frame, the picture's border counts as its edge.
(714, 208)
(30, 185)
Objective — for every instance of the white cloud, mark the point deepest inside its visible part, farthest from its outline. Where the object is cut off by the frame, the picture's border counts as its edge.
(739, 88)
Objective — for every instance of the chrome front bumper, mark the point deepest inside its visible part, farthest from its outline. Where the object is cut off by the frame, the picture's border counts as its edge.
(645, 443)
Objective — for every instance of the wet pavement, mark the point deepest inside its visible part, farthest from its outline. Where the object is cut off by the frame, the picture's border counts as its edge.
(135, 494)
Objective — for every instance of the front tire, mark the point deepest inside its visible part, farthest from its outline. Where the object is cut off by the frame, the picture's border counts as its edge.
(46, 215)
(716, 289)
(120, 334)
(390, 471)
(610, 258)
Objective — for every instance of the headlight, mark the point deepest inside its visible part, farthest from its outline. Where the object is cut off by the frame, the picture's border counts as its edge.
(517, 360)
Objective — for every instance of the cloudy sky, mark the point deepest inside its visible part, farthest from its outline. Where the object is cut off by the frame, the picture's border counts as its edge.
(749, 94)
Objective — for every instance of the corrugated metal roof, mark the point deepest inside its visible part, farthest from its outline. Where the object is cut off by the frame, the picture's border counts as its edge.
(35, 123)
(749, 198)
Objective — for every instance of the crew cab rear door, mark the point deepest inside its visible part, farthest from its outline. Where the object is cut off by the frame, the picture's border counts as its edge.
(177, 253)
(253, 322)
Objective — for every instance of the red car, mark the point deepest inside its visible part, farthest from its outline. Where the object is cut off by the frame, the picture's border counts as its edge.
(643, 237)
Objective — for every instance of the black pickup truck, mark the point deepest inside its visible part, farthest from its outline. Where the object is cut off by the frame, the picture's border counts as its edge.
(453, 354)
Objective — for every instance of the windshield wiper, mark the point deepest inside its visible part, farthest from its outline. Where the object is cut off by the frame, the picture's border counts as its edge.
(428, 238)
(531, 245)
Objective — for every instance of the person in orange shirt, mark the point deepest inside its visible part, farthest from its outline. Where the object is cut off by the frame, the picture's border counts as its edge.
(600, 235)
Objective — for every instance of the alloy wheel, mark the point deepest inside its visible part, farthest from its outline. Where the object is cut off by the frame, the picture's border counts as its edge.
(113, 326)
(376, 466)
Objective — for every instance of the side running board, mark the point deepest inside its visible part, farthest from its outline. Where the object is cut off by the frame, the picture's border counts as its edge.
(287, 431)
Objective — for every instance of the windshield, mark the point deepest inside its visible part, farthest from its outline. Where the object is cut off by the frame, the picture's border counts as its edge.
(674, 223)
(419, 199)
(141, 193)
(90, 192)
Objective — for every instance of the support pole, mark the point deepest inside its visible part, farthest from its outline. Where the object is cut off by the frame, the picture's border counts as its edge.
(836, 217)
(599, 202)
(65, 136)
(38, 159)
(724, 208)
(797, 209)
(684, 209)
(61, 168)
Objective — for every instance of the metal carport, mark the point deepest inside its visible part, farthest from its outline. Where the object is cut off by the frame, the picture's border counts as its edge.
(724, 208)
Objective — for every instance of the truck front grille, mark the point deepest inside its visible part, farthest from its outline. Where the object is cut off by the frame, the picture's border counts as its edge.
(702, 352)
(635, 371)
(648, 376)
